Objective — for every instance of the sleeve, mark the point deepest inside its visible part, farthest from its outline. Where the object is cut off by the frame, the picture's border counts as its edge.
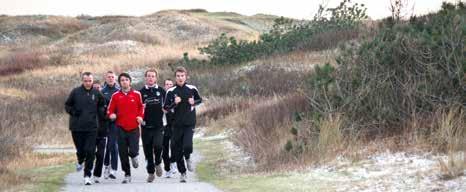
(197, 97)
(101, 106)
(140, 106)
(111, 105)
(164, 95)
(169, 101)
(69, 104)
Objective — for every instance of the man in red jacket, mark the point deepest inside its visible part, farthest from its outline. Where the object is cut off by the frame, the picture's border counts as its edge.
(127, 109)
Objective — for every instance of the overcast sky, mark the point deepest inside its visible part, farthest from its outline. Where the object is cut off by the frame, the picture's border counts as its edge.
(300, 9)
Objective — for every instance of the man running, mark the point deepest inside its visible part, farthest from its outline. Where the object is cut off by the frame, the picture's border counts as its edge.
(182, 99)
(152, 128)
(127, 109)
(84, 104)
(111, 151)
(168, 162)
(102, 130)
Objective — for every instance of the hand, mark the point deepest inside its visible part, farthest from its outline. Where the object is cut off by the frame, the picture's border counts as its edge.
(164, 111)
(191, 100)
(113, 116)
(177, 100)
(139, 119)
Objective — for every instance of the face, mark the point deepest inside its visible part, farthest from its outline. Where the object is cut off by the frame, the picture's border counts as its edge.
(97, 86)
(110, 79)
(87, 81)
(151, 78)
(180, 78)
(168, 84)
(125, 83)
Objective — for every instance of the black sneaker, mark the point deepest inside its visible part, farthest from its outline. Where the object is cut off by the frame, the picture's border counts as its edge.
(111, 176)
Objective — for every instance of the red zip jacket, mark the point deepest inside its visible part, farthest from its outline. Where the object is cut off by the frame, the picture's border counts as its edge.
(126, 106)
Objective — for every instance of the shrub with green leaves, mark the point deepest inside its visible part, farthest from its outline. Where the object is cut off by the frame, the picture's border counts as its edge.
(408, 68)
(328, 28)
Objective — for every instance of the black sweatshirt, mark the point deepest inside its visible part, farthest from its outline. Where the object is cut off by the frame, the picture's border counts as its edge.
(85, 107)
(184, 113)
(153, 98)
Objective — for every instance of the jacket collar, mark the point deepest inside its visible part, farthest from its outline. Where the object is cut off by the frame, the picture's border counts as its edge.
(181, 85)
(129, 92)
(154, 86)
(115, 86)
(84, 88)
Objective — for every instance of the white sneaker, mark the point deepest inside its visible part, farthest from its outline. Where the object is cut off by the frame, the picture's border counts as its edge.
(189, 165)
(96, 179)
(183, 178)
(127, 179)
(158, 170)
(87, 181)
(79, 167)
(173, 168)
(168, 174)
(135, 162)
(106, 172)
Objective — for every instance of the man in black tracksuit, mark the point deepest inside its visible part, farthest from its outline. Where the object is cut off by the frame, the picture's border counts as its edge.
(84, 105)
(111, 151)
(183, 98)
(101, 141)
(152, 128)
(168, 162)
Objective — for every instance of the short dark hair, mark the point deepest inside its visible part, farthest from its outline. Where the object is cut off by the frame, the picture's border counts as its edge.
(96, 81)
(181, 70)
(168, 79)
(86, 74)
(124, 75)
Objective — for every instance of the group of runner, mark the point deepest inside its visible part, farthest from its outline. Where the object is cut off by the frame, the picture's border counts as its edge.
(106, 122)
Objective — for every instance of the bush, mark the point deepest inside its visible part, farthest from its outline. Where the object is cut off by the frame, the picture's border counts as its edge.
(408, 68)
(20, 61)
(329, 27)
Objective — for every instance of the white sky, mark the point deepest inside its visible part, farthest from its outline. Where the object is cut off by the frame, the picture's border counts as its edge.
(290, 8)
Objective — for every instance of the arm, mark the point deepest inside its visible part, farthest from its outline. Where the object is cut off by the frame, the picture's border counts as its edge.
(169, 101)
(69, 104)
(140, 106)
(164, 95)
(101, 106)
(111, 106)
(197, 97)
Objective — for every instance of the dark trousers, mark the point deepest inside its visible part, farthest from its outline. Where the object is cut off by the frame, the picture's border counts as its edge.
(152, 145)
(84, 141)
(99, 155)
(182, 145)
(167, 134)
(111, 152)
(128, 147)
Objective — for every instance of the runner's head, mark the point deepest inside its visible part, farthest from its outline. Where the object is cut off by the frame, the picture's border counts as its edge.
(96, 85)
(181, 74)
(110, 78)
(124, 80)
(87, 80)
(151, 77)
(168, 84)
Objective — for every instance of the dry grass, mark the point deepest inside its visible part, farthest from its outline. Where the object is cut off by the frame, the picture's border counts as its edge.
(10, 176)
(451, 134)
(263, 129)
(454, 167)
(330, 134)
